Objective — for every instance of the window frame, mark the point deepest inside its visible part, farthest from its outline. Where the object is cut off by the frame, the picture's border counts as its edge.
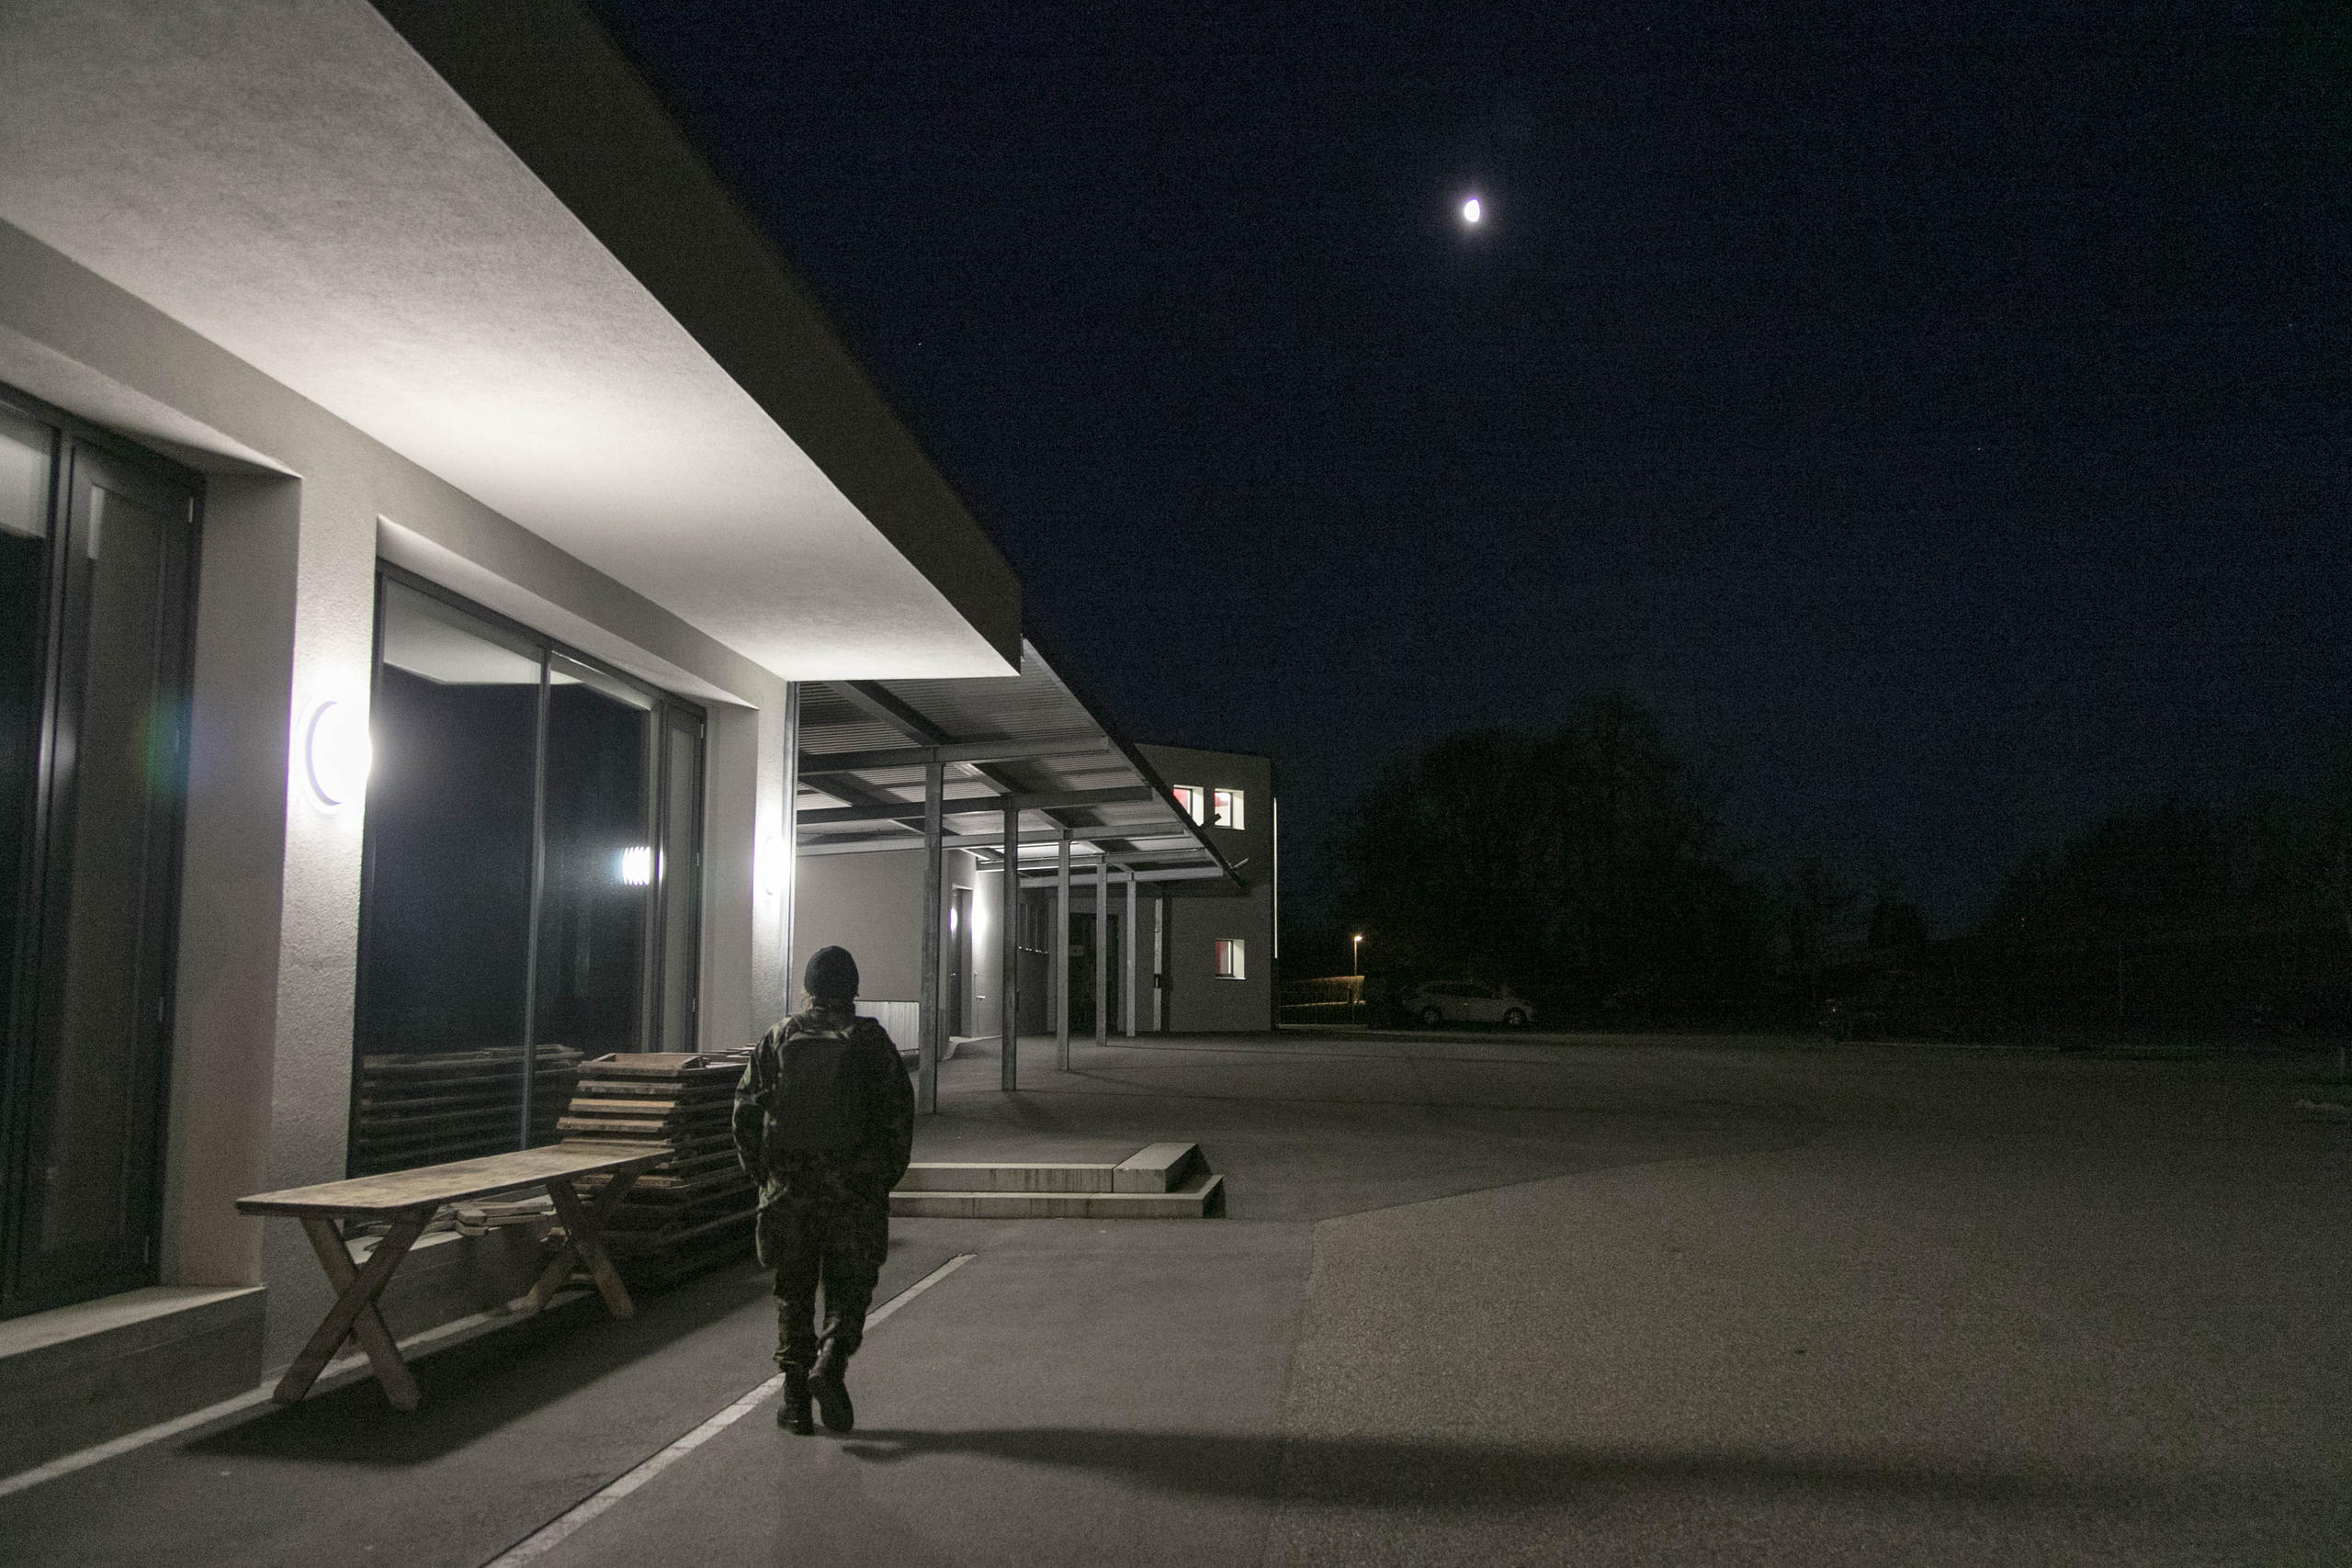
(668, 711)
(97, 1270)
(1239, 947)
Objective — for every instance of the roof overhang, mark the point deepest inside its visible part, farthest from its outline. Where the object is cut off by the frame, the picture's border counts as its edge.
(473, 232)
(1031, 743)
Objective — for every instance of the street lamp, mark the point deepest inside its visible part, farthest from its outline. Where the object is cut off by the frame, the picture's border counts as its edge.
(1355, 954)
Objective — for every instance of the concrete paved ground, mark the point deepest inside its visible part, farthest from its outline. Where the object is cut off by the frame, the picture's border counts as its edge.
(1480, 1300)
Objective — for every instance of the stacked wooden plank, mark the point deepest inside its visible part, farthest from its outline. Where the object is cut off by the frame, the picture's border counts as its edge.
(420, 1107)
(485, 1215)
(694, 1209)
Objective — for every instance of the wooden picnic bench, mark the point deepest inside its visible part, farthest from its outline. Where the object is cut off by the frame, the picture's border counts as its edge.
(407, 1199)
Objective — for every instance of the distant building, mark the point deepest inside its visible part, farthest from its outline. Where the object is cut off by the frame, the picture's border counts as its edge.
(1223, 956)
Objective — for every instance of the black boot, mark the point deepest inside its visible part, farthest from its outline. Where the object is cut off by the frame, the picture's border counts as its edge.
(793, 1414)
(833, 1394)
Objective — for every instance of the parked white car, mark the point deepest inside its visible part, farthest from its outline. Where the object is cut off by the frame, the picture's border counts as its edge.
(1467, 1001)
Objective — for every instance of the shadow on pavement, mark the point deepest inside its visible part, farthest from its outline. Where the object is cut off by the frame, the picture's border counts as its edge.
(476, 1387)
(1436, 1475)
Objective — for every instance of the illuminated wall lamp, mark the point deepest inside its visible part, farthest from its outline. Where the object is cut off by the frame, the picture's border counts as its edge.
(773, 864)
(336, 754)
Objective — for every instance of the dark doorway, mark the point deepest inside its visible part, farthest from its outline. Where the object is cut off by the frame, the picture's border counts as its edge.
(1083, 957)
(97, 549)
(1114, 990)
(1035, 938)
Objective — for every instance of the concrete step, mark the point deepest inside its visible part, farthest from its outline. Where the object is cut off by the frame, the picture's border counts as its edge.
(1159, 1168)
(1202, 1197)
(984, 1177)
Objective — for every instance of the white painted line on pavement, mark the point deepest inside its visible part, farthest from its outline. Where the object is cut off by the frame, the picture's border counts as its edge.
(558, 1530)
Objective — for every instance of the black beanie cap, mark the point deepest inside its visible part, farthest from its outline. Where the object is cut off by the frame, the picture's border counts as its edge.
(831, 975)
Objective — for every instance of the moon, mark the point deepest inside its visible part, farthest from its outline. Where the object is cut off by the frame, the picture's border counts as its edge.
(1472, 212)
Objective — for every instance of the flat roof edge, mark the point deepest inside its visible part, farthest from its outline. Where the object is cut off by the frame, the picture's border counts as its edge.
(554, 88)
(1127, 749)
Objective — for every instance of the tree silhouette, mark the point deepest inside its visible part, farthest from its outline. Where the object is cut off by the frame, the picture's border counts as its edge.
(1583, 865)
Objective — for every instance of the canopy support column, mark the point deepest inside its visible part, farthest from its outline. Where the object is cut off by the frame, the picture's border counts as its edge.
(1127, 956)
(788, 851)
(1008, 955)
(933, 1026)
(1061, 956)
(1101, 949)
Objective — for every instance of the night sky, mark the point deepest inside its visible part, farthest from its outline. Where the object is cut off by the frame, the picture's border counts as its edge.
(1938, 416)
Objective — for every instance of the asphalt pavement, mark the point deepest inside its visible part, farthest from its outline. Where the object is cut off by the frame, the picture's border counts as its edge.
(1478, 1299)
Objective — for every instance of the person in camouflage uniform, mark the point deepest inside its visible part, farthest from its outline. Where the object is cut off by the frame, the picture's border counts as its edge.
(824, 1121)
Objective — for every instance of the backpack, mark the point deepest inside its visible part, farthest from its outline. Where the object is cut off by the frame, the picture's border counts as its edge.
(818, 1105)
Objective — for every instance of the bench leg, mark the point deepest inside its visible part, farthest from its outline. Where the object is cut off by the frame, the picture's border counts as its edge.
(353, 1314)
(583, 1228)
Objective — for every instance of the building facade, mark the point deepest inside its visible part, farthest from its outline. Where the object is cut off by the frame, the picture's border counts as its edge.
(1223, 955)
(421, 492)
(462, 613)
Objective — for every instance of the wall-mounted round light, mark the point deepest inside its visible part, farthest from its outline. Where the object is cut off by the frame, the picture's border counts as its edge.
(773, 864)
(336, 754)
(634, 867)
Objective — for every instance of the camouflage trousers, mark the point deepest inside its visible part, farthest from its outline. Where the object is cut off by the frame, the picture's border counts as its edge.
(837, 1238)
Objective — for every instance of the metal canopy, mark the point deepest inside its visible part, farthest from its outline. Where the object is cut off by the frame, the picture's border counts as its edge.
(866, 747)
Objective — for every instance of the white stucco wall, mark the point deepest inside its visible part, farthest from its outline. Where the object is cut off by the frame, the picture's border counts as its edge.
(872, 903)
(298, 507)
(1197, 999)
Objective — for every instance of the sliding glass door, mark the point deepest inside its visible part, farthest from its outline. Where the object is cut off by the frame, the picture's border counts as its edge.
(526, 900)
(96, 557)
(595, 909)
(675, 997)
(445, 957)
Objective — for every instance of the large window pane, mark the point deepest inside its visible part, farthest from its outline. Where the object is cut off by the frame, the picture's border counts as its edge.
(446, 945)
(91, 1023)
(680, 873)
(596, 891)
(24, 578)
(518, 879)
(118, 582)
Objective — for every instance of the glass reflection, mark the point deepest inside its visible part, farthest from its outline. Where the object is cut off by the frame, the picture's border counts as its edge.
(681, 885)
(445, 953)
(24, 573)
(519, 867)
(594, 896)
(119, 585)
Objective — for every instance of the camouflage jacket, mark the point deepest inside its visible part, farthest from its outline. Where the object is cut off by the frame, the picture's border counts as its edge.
(879, 1156)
